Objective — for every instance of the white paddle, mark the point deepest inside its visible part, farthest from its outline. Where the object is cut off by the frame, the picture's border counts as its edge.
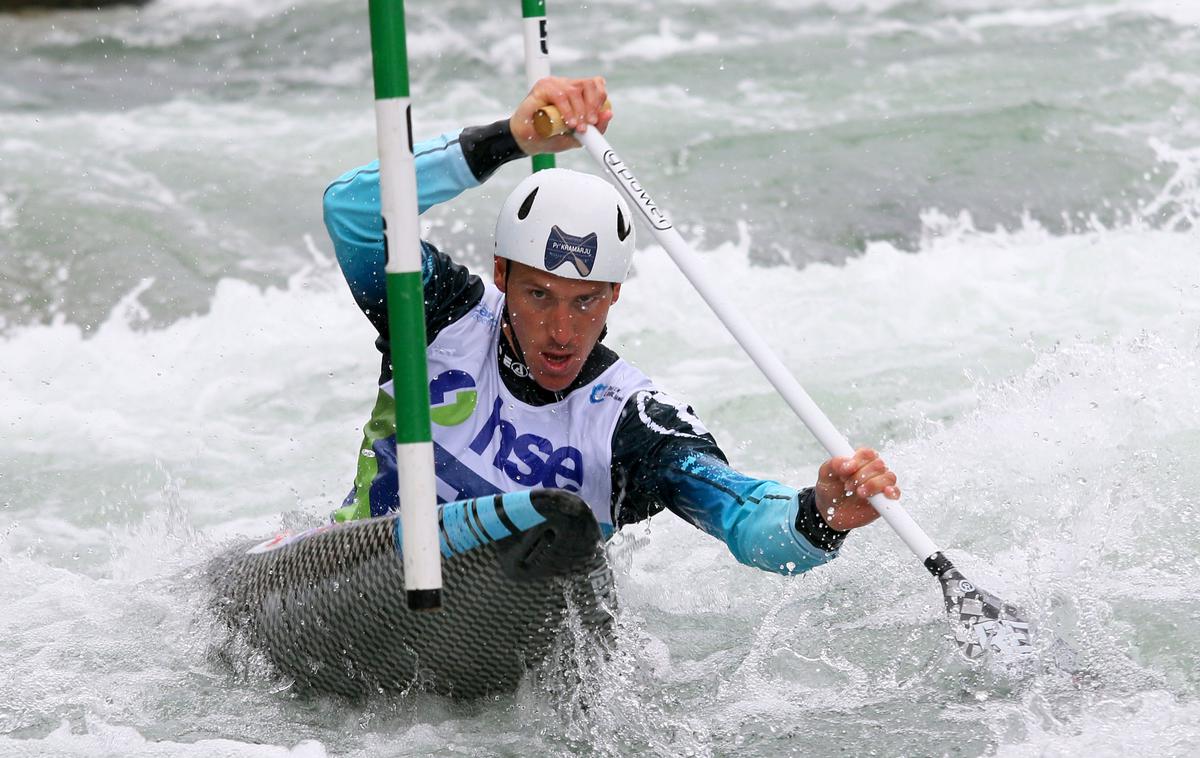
(981, 622)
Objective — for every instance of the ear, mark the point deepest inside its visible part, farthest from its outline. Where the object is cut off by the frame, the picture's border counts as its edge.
(616, 293)
(499, 270)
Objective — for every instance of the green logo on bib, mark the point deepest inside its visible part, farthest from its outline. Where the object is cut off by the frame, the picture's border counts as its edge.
(452, 398)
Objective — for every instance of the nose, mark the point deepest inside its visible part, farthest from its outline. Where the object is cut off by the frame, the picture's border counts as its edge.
(561, 323)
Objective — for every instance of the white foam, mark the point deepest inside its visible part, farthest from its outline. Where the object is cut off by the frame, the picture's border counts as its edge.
(663, 44)
(101, 739)
(1148, 723)
(1177, 205)
(8, 205)
(1153, 73)
(1183, 12)
(216, 386)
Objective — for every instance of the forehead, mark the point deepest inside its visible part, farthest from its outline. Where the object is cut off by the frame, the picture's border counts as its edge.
(526, 276)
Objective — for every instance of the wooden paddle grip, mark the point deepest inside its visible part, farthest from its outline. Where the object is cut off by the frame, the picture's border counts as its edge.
(548, 121)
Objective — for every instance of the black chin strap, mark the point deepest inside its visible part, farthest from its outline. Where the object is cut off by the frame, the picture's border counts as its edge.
(507, 324)
(511, 333)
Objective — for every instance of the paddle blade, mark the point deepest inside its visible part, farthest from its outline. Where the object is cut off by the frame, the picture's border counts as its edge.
(983, 624)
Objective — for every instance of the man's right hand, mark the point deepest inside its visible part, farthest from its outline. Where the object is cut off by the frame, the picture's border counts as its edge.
(844, 486)
(580, 101)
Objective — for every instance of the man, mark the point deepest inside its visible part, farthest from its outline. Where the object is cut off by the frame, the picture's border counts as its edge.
(523, 392)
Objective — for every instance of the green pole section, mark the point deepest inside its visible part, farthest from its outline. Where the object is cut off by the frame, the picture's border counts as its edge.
(537, 57)
(406, 310)
(389, 49)
(410, 372)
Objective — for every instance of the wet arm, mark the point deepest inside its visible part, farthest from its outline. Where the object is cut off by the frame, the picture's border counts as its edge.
(446, 166)
(764, 523)
(669, 460)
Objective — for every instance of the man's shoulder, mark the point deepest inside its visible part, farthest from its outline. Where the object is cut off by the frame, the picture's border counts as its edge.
(653, 420)
(452, 292)
(658, 412)
(654, 433)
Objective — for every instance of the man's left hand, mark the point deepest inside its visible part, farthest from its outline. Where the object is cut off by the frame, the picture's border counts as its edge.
(845, 484)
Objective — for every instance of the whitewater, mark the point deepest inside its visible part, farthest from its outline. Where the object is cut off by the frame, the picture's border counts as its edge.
(969, 228)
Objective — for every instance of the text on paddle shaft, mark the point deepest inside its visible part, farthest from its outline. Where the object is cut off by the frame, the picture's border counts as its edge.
(633, 189)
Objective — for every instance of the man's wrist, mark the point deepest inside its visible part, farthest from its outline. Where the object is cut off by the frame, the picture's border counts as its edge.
(812, 526)
(487, 148)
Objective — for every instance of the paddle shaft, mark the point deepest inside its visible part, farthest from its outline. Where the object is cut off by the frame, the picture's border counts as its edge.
(760, 352)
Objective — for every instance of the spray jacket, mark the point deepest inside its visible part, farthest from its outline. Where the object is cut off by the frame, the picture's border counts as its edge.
(628, 448)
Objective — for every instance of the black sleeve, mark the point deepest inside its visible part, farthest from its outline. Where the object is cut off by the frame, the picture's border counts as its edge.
(487, 148)
(451, 291)
(813, 527)
(650, 431)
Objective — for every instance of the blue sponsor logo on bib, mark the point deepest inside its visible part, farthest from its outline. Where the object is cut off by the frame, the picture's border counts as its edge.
(602, 391)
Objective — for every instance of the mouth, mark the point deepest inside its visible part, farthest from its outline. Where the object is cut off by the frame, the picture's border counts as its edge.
(556, 362)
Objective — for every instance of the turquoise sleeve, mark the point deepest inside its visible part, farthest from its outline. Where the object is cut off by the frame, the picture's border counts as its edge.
(755, 518)
(352, 211)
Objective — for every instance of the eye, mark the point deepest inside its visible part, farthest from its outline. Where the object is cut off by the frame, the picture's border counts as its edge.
(537, 294)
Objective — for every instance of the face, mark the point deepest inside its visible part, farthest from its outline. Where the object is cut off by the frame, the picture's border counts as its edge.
(557, 321)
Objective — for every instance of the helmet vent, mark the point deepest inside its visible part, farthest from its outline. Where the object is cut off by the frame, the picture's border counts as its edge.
(623, 227)
(527, 205)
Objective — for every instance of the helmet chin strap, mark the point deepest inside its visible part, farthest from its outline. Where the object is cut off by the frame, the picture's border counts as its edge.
(509, 329)
(506, 317)
(511, 333)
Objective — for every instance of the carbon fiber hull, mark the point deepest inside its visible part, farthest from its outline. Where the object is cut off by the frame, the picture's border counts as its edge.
(328, 607)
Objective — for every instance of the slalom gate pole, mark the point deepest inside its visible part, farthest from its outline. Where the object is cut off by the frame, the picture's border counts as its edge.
(537, 57)
(405, 305)
(983, 623)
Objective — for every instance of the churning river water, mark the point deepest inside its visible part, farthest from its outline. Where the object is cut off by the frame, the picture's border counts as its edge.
(968, 226)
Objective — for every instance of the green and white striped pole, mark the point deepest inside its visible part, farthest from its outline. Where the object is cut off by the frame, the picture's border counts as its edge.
(537, 57)
(406, 309)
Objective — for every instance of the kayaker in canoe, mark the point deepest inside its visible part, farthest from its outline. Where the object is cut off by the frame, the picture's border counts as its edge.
(524, 393)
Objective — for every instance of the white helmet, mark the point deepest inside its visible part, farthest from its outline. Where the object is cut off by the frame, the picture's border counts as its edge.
(568, 224)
